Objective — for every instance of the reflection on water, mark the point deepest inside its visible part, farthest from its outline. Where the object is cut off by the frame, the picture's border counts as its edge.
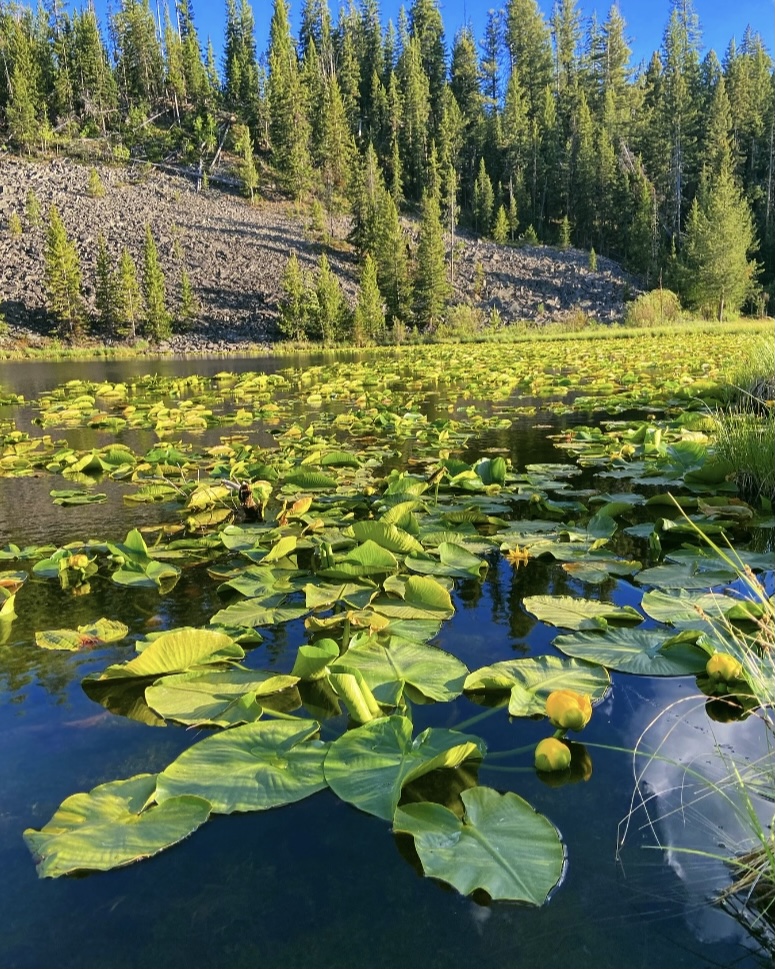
(319, 884)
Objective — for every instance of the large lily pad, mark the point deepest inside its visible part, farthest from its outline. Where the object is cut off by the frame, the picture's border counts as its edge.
(177, 651)
(421, 597)
(390, 665)
(388, 536)
(84, 637)
(644, 651)
(111, 826)
(570, 612)
(454, 560)
(501, 845)
(215, 698)
(532, 679)
(249, 768)
(368, 766)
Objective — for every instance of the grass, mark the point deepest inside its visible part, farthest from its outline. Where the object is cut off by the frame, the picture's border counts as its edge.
(751, 894)
(747, 440)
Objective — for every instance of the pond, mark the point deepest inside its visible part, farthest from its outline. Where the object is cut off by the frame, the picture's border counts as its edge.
(318, 882)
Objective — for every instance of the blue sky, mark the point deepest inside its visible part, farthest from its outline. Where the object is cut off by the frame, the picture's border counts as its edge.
(720, 20)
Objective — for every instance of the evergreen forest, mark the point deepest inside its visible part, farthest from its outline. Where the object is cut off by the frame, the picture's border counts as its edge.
(542, 130)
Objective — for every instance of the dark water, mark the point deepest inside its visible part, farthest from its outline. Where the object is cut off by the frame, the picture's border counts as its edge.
(318, 883)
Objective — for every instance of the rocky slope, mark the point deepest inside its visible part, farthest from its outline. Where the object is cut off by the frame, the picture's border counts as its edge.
(235, 254)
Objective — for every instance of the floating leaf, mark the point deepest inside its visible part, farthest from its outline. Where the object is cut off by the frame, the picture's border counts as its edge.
(390, 665)
(312, 661)
(69, 496)
(570, 612)
(351, 687)
(176, 651)
(111, 826)
(532, 679)
(643, 651)
(249, 768)
(454, 560)
(387, 536)
(501, 845)
(368, 766)
(84, 637)
(367, 559)
(216, 698)
(422, 598)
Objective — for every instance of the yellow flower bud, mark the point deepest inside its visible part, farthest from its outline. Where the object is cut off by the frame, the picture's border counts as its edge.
(552, 754)
(724, 668)
(78, 561)
(568, 710)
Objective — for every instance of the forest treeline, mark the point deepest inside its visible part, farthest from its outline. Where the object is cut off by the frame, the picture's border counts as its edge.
(538, 131)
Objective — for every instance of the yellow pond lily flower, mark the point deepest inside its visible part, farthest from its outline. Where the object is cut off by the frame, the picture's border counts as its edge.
(552, 754)
(569, 710)
(724, 668)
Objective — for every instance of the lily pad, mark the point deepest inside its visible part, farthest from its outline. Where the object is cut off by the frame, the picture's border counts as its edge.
(501, 845)
(111, 826)
(84, 637)
(643, 651)
(368, 766)
(214, 698)
(389, 666)
(249, 768)
(176, 651)
(570, 612)
(454, 560)
(422, 597)
(532, 679)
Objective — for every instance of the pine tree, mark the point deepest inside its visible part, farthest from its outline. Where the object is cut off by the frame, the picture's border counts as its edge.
(431, 286)
(500, 229)
(332, 309)
(189, 305)
(32, 209)
(128, 300)
(416, 114)
(157, 319)
(716, 271)
(641, 233)
(293, 321)
(62, 276)
(390, 256)
(484, 199)
(95, 188)
(15, 226)
(243, 144)
(369, 317)
(21, 113)
(527, 38)
(105, 288)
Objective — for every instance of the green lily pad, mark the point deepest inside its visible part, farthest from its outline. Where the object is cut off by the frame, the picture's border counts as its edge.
(176, 651)
(69, 496)
(214, 698)
(532, 679)
(388, 666)
(569, 612)
(249, 768)
(111, 826)
(643, 651)
(84, 637)
(367, 559)
(454, 560)
(501, 845)
(683, 607)
(368, 766)
(349, 684)
(422, 597)
(387, 536)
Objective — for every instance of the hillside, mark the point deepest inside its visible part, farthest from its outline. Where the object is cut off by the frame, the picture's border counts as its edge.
(235, 254)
